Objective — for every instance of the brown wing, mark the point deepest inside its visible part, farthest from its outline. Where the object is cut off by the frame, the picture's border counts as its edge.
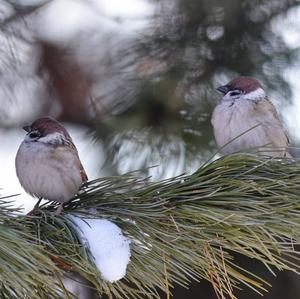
(272, 109)
(83, 174)
(273, 127)
(70, 144)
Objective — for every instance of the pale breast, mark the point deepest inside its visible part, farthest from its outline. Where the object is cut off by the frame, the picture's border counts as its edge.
(239, 126)
(48, 172)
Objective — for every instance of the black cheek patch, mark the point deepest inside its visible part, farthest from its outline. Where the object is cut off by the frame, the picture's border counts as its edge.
(34, 134)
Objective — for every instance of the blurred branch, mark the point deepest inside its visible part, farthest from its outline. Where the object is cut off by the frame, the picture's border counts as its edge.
(191, 44)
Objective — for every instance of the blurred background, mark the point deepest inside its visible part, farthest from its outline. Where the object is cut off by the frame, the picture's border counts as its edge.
(134, 82)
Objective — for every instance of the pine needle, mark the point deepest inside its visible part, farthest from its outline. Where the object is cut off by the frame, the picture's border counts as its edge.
(182, 229)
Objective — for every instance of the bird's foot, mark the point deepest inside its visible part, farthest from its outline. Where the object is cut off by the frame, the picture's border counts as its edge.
(59, 209)
(36, 209)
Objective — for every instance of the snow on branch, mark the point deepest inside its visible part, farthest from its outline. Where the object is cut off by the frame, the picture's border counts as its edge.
(181, 229)
(108, 247)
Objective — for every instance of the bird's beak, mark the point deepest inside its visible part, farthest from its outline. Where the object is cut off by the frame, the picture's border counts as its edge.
(224, 89)
(27, 128)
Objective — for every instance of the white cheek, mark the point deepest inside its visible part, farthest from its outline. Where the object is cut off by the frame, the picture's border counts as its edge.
(28, 139)
(52, 138)
(254, 95)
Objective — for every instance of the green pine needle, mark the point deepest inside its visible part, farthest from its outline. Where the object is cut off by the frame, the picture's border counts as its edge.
(182, 229)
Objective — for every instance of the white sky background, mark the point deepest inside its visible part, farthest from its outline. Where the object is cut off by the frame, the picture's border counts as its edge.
(130, 17)
(289, 27)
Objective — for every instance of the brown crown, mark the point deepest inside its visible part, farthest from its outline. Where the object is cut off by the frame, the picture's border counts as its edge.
(246, 84)
(48, 125)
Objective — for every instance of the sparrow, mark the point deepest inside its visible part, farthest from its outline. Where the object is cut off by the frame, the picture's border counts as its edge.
(47, 163)
(246, 119)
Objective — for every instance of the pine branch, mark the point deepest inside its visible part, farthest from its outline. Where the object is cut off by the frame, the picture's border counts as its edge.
(26, 270)
(182, 229)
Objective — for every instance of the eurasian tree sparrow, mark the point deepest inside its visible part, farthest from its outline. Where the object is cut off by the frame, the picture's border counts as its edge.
(246, 119)
(47, 163)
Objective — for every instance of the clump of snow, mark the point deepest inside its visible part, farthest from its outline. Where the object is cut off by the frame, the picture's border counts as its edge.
(108, 246)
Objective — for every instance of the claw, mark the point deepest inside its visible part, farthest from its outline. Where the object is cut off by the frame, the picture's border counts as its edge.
(59, 209)
(35, 209)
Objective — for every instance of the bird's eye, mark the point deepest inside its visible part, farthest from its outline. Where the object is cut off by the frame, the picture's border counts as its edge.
(34, 134)
(235, 92)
